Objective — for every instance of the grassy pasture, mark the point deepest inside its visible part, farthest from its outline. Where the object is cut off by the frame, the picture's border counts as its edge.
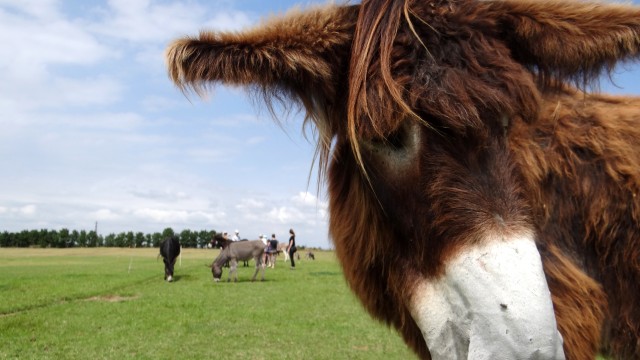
(113, 304)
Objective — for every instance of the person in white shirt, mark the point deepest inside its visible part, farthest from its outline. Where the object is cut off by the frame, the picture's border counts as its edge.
(266, 250)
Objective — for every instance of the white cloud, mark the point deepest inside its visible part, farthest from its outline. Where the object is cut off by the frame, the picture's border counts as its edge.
(305, 198)
(236, 120)
(23, 211)
(156, 103)
(178, 216)
(207, 154)
(255, 140)
(229, 21)
(35, 8)
(30, 45)
(92, 134)
(169, 195)
(250, 205)
(27, 210)
(45, 58)
(151, 57)
(146, 21)
(285, 215)
(80, 92)
(59, 93)
(105, 214)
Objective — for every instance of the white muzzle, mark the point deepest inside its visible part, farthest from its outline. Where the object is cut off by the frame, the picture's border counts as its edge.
(493, 302)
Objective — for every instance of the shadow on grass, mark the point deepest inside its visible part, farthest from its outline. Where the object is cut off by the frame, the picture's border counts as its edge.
(177, 278)
(325, 273)
(110, 293)
(224, 281)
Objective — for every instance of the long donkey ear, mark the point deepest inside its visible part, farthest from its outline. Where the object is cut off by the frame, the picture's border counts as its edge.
(299, 55)
(569, 40)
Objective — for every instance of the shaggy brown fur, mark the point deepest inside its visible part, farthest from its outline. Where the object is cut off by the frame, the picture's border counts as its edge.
(442, 121)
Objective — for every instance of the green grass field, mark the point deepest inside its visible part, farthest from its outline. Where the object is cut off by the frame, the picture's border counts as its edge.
(109, 303)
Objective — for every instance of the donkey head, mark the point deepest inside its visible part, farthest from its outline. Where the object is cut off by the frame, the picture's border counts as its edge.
(413, 102)
(216, 271)
(168, 269)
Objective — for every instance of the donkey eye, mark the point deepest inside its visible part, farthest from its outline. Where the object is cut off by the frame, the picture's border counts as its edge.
(396, 140)
(398, 147)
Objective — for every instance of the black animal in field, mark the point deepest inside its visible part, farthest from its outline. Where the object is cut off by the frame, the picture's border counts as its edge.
(169, 250)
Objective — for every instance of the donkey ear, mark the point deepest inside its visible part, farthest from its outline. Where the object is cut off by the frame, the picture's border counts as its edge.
(298, 55)
(568, 40)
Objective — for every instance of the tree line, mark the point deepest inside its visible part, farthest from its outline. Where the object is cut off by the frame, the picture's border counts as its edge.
(66, 238)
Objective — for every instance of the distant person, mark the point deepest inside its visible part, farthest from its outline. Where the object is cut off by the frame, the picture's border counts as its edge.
(292, 248)
(273, 249)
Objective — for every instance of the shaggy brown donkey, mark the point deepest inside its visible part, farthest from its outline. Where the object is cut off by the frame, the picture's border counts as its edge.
(479, 203)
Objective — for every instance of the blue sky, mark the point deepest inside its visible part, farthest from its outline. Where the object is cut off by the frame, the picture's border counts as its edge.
(92, 130)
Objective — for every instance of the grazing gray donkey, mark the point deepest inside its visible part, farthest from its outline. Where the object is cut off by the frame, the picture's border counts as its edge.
(240, 250)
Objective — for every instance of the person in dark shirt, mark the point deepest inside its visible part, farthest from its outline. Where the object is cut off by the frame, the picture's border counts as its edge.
(273, 249)
(292, 247)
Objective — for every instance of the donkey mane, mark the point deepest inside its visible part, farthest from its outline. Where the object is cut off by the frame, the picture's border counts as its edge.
(222, 258)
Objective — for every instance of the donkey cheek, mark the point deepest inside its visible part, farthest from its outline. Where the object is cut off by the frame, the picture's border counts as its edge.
(492, 303)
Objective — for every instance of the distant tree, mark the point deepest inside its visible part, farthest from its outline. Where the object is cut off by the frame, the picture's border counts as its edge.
(74, 238)
(22, 239)
(82, 238)
(157, 239)
(53, 238)
(5, 239)
(43, 238)
(167, 232)
(25, 238)
(149, 240)
(193, 239)
(110, 240)
(138, 239)
(185, 239)
(92, 239)
(63, 238)
(120, 240)
(204, 237)
(69, 238)
(130, 239)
